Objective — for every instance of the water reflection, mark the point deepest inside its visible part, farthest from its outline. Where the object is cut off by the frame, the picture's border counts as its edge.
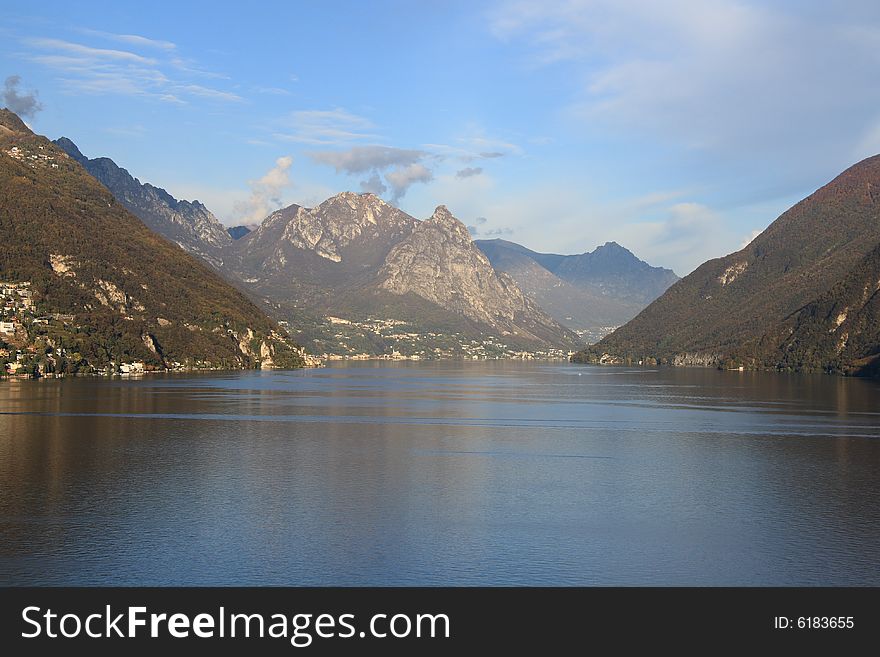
(471, 473)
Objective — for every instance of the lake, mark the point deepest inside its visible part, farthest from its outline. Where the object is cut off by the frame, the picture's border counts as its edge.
(483, 473)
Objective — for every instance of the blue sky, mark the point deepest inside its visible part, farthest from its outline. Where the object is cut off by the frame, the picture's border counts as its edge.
(678, 129)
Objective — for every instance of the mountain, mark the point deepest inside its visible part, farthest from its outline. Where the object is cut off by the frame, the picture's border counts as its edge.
(321, 248)
(322, 271)
(189, 224)
(590, 293)
(816, 257)
(440, 263)
(356, 257)
(237, 232)
(106, 289)
(616, 271)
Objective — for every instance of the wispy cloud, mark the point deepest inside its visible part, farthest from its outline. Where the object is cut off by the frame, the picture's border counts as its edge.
(725, 82)
(131, 39)
(687, 233)
(749, 238)
(497, 232)
(87, 53)
(190, 67)
(489, 147)
(474, 228)
(325, 127)
(207, 92)
(272, 91)
(476, 145)
(161, 73)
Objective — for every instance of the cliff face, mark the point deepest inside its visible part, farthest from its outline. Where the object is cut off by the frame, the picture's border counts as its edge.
(439, 262)
(348, 230)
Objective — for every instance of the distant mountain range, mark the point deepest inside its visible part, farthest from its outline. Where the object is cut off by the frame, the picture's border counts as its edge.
(802, 295)
(354, 256)
(590, 293)
(335, 272)
(106, 290)
(356, 275)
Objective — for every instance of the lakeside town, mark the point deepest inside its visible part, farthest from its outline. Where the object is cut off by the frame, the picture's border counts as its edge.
(32, 343)
(393, 339)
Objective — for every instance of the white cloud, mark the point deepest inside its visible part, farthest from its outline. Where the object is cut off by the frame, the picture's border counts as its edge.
(489, 147)
(361, 159)
(402, 167)
(265, 193)
(24, 103)
(476, 145)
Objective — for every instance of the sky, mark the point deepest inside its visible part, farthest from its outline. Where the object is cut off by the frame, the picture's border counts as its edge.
(679, 129)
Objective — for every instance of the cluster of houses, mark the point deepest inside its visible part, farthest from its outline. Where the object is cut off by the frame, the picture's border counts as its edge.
(16, 306)
(32, 158)
(409, 344)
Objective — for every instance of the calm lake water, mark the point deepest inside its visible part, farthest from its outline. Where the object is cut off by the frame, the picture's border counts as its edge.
(450, 473)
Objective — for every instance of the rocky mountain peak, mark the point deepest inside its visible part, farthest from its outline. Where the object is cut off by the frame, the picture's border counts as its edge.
(442, 214)
(612, 247)
(440, 263)
(364, 204)
(445, 220)
(331, 227)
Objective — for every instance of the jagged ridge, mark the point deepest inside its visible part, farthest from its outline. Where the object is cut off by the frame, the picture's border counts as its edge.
(190, 224)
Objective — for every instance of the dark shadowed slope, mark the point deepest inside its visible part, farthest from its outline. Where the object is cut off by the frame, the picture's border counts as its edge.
(732, 307)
